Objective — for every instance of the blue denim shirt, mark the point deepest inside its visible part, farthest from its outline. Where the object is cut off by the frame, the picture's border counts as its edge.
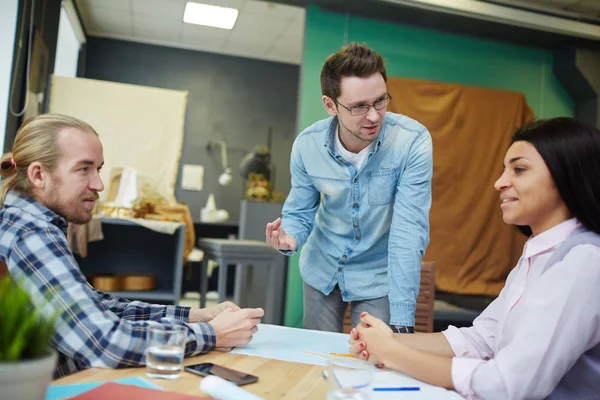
(365, 230)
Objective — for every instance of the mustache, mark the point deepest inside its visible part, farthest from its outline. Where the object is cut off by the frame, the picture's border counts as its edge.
(91, 196)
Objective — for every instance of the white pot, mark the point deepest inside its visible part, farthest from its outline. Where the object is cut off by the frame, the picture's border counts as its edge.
(27, 380)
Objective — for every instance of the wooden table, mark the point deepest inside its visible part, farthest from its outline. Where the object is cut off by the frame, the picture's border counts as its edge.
(276, 379)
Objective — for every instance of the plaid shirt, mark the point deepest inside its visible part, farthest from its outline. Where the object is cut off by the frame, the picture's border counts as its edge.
(93, 329)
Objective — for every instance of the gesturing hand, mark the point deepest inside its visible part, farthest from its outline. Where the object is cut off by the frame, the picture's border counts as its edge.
(277, 237)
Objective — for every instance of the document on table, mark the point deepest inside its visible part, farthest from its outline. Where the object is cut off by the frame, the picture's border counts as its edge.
(295, 345)
(312, 347)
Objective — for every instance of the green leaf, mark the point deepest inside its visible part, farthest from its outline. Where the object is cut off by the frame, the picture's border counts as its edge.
(24, 332)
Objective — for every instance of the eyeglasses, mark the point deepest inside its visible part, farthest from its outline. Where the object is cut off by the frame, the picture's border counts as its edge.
(362, 110)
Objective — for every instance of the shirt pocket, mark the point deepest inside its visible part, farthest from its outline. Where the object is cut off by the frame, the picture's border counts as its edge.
(382, 186)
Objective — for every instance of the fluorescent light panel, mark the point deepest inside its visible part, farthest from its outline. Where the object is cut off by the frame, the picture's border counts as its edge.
(213, 16)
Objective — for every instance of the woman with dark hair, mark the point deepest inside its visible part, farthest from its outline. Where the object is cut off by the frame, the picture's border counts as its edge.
(541, 337)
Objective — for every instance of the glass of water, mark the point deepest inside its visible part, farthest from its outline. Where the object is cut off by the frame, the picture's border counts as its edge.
(349, 378)
(164, 355)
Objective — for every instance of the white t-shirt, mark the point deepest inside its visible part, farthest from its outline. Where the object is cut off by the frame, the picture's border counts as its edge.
(357, 159)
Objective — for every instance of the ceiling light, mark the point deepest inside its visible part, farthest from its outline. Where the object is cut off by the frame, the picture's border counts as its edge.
(214, 16)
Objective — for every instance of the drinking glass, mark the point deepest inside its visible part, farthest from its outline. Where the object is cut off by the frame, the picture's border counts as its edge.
(349, 378)
(164, 355)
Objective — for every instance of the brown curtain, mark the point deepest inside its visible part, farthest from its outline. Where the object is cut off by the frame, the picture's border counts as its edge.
(474, 250)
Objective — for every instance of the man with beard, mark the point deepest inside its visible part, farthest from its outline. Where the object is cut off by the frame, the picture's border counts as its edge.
(360, 200)
(51, 178)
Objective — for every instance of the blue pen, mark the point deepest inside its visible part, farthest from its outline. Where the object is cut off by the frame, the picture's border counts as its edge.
(396, 389)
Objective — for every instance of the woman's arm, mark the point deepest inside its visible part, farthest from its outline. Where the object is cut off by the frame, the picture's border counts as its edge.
(384, 348)
(432, 343)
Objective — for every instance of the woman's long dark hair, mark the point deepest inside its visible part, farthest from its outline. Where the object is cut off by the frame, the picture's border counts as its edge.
(571, 151)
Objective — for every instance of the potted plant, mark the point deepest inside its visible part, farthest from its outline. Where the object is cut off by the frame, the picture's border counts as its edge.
(27, 361)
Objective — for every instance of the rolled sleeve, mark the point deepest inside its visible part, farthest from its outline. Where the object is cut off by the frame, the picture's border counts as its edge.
(457, 341)
(462, 372)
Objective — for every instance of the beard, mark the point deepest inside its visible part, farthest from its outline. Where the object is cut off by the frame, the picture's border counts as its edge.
(73, 211)
(357, 133)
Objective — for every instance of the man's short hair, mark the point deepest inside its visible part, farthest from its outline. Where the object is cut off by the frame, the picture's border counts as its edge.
(352, 60)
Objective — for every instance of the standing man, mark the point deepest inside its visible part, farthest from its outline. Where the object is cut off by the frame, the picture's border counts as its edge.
(360, 200)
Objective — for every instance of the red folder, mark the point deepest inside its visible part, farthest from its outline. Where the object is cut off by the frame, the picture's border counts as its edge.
(118, 391)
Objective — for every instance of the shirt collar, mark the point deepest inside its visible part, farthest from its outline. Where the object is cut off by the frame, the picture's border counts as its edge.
(550, 238)
(30, 206)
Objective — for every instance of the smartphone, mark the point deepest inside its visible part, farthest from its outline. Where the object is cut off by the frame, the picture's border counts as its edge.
(231, 375)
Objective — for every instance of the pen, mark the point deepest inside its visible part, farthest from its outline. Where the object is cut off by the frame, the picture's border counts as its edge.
(396, 389)
(341, 355)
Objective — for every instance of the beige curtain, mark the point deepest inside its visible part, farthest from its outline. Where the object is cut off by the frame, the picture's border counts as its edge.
(473, 248)
(140, 127)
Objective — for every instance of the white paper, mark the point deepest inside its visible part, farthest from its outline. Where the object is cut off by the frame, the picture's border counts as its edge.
(295, 345)
(128, 188)
(313, 347)
(192, 177)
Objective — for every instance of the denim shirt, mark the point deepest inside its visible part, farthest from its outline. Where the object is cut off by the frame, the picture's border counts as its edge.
(364, 230)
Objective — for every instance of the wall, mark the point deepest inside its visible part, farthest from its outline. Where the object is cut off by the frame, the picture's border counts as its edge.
(8, 24)
(421, 54)
(46, 19)
(230, 98)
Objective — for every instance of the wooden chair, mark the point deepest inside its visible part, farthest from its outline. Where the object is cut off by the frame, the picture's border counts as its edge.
(425, 301)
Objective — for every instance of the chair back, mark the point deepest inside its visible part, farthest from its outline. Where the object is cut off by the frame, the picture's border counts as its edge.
(425, 301)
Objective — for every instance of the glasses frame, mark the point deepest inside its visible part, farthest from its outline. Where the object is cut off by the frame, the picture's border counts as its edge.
(387, 100)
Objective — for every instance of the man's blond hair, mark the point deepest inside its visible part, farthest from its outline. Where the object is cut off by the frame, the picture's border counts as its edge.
(36, 141)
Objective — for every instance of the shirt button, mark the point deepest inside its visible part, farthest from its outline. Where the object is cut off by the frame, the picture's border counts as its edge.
(340, 160)
(355, 205)
(355, 226)
(340, 269)
(355, 180)
(345, 256)
(355, 237)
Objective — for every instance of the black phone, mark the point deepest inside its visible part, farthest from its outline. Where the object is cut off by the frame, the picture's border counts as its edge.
(231, 375)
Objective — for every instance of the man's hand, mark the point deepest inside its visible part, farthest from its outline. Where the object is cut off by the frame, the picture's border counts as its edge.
(208, 313)
(372, 339)
(235, 328)
(277, 237)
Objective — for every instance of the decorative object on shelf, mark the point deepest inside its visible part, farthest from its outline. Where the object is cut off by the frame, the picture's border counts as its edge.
(259, 188)
(113, 282)
(210, 213)
(225, 177)
(258, 171)
(139, 282)
(257, 162)
(26, 359)
(107, 282)
(145, 205)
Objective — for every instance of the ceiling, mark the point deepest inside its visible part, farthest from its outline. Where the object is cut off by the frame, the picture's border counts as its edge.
(576, 8)
(263, 30)
(274, 31)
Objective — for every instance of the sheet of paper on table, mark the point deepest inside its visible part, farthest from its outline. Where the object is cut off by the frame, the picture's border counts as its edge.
(312, 347)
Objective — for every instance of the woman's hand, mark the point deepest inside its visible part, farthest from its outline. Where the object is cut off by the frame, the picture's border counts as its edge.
(372, 340)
